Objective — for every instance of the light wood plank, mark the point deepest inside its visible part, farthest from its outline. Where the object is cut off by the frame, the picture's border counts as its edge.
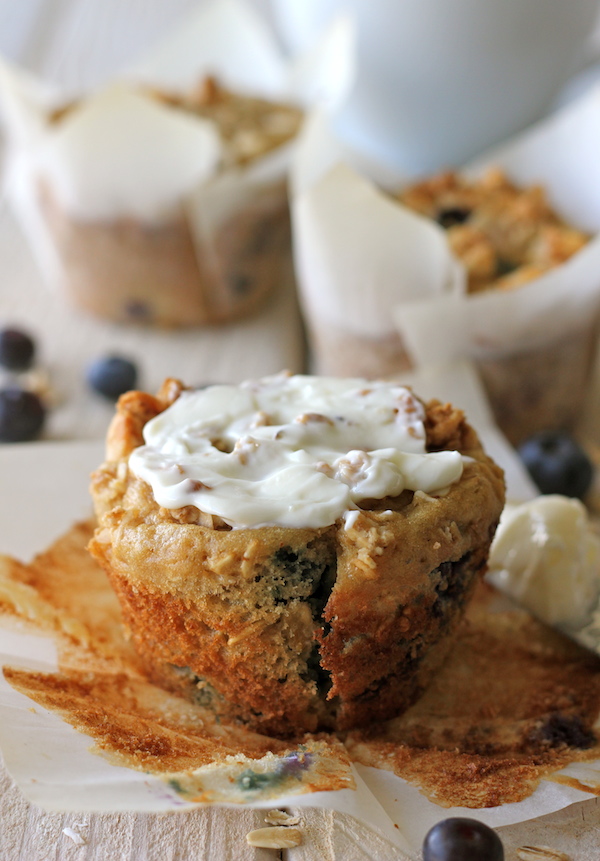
(317, 827)
(332, 836)
(574, 830)
(28, 833)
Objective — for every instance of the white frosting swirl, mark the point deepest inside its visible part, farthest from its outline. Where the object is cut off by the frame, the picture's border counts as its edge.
(294, 451)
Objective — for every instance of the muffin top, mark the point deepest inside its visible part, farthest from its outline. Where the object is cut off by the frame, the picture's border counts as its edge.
(160, 544)
(249, 126)
(296, 451)
(504, 235)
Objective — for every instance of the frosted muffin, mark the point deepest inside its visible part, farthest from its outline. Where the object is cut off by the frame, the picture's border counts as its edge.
(210, 255)
(296, 551)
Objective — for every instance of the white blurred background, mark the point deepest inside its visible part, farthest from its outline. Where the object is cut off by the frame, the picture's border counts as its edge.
(79, 43)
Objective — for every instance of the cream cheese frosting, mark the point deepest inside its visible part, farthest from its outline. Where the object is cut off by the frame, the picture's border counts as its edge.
(290, 450)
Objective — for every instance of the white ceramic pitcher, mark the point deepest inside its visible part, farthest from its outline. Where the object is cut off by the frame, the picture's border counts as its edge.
(440, 80)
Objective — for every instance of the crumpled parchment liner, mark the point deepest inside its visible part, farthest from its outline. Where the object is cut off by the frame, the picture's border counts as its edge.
(370, 270)
(119, 157)
(52, 762)
(357, 252)
(177, 754)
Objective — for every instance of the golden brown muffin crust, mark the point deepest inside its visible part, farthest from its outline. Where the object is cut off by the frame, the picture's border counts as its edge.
(205, 598)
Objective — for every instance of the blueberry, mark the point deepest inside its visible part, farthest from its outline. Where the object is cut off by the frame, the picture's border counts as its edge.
(22, 415)
(252, 780)
(460, 839)
(504, 267)
(453, 215)
(111, 376)
(135, 309)
(557, 463)
(295, 762)
(17, 350)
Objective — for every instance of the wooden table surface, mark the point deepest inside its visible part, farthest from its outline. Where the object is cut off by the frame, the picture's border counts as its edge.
(80, 41)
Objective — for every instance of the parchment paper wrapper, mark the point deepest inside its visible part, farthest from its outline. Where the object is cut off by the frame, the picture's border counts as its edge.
(54, 765)
(381, 291)
(127, 204)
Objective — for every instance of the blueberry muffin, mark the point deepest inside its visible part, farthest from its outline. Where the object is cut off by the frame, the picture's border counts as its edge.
(296, 551)
(214, 254)
(504, 235)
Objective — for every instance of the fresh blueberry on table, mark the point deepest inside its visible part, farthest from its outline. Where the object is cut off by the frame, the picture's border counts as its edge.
(557, 463)
(461, 839)
(22, 415)
(17, 350)
(111, 376)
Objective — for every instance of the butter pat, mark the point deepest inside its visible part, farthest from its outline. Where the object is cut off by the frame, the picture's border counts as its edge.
(547, 557)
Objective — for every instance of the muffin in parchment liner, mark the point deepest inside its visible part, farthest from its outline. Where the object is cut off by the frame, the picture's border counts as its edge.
(294, 613)
(161, 198)
(387, 282)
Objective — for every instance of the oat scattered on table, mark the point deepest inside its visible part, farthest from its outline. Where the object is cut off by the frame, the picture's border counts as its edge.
(541, 853)
(281, 817)
(75, 837)
(276, 837)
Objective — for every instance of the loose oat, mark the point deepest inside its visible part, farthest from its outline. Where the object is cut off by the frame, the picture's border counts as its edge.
(38, 381)
(276, 837)
(280, 817)
(541, 853)
(75, 837)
